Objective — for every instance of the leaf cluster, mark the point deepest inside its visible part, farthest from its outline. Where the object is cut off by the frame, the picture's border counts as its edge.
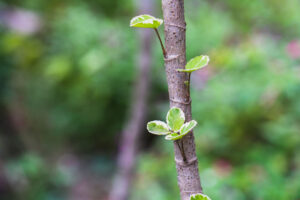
(175, 128)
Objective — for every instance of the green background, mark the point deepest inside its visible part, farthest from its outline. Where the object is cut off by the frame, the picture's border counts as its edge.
(66, 92)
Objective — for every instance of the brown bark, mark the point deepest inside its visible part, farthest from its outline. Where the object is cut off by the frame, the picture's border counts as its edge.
(179, 94)
(130, 136)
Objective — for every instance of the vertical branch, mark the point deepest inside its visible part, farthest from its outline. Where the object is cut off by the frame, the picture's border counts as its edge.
(130, 136)
(179, 94)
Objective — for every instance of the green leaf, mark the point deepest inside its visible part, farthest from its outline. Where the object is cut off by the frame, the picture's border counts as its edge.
(175, 118)
(199, 197)
(145, 21)
(158, 127)
(195, 64)
(187, 127)
(173, 136)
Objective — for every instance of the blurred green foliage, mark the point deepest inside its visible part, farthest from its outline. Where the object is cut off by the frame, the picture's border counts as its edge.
(67, 88)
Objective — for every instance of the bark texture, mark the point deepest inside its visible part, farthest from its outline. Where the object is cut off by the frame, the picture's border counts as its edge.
(130, 136)
(179, 94)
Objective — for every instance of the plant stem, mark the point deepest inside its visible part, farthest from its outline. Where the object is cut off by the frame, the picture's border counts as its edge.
(189, 86)
(181, 149)
(186, 162)
(160, 41)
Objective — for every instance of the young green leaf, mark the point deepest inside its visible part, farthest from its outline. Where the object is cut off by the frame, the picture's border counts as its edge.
(175, 118)
(158, 127)
(187, 127)
(173, 136)
(195, 64)
(199, 197)
(145, 21)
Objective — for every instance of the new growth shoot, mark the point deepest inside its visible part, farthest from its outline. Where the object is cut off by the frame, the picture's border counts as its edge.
(148, 21)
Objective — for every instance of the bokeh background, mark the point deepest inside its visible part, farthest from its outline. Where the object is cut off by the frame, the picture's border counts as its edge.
(68, 70)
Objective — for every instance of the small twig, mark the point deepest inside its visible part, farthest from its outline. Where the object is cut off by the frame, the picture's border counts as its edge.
(189, 80)
(189, 85)
(160, 41)
(184, 158)
(181, 150)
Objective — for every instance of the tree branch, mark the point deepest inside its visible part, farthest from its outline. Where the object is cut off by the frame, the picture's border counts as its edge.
(187, 170)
